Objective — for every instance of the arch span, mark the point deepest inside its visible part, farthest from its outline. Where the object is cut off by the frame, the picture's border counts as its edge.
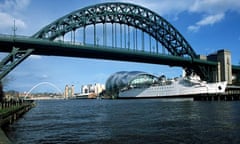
(128, 14)
(122, 13)
(43, 83)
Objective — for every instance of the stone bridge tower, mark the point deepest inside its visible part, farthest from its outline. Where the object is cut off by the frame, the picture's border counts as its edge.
(224, 57)
(224, 69)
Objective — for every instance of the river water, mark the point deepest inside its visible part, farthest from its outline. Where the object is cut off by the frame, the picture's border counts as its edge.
(128, 121)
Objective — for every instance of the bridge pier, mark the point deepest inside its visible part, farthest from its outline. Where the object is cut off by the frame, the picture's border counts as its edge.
(224, 57)
(223, 70)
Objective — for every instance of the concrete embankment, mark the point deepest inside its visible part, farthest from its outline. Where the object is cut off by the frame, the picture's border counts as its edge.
(10, 113)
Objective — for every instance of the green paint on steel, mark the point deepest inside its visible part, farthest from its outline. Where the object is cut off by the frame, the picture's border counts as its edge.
(15, 57)
(131, 15)
(122, 13)
(46, 47)
(126, 14)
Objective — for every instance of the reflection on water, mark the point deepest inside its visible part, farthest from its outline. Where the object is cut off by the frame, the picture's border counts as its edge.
(128, 121)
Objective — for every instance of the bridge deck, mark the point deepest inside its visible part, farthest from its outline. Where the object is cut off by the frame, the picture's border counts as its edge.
(53, 48)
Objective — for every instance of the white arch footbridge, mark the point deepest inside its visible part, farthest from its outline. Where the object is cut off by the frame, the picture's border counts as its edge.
(44, 83)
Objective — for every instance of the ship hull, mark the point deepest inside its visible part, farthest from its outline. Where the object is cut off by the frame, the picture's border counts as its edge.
(174, 91)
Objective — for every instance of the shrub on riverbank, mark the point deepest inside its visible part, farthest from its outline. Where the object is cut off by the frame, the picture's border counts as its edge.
(1, 92)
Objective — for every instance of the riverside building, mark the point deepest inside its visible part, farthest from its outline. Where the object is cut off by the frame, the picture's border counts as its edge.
(92, 90)
(69, 92)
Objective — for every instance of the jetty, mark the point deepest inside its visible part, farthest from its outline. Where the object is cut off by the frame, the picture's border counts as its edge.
(232, 93)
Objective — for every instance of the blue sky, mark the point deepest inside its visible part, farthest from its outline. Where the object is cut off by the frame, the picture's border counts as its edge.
(208, 25)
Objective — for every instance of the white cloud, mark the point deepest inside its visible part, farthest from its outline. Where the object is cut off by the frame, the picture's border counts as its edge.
(193, 28)
(163, 7)
(209, 20)
(10, 10)
(14, 5)
(215, 6)
(7, 21)
(212, 11)
(22, 4)
(44, 76)
(35, 57)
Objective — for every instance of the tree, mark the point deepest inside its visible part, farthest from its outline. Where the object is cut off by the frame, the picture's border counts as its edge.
(1, 92)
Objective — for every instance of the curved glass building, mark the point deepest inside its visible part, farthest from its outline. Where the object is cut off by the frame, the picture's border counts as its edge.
(124, 79)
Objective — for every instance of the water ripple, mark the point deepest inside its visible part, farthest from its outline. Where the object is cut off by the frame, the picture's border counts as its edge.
(128, 121)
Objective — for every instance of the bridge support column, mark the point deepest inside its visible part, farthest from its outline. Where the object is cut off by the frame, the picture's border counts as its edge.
(95, 37)
(224, 68)
(224, 57)
(84, 35)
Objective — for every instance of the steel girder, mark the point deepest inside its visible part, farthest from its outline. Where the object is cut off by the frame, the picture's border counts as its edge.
(122, 13)
(12, 60)
(131, 15)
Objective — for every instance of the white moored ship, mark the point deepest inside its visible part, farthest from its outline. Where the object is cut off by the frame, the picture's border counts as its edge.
(143, 85)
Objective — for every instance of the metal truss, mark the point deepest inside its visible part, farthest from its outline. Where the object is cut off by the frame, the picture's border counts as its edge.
(122, 13)
(128, 14)
(12, 60)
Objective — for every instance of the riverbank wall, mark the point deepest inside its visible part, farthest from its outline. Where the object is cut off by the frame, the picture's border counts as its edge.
(10, 112)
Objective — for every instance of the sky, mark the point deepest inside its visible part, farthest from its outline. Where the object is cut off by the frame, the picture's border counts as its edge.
(208, 26)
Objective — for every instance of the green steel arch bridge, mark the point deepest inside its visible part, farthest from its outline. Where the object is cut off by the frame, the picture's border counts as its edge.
(114, 31)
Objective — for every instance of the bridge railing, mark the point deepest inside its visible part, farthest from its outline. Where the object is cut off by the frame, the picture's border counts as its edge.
(106, 47)
(75, 43)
